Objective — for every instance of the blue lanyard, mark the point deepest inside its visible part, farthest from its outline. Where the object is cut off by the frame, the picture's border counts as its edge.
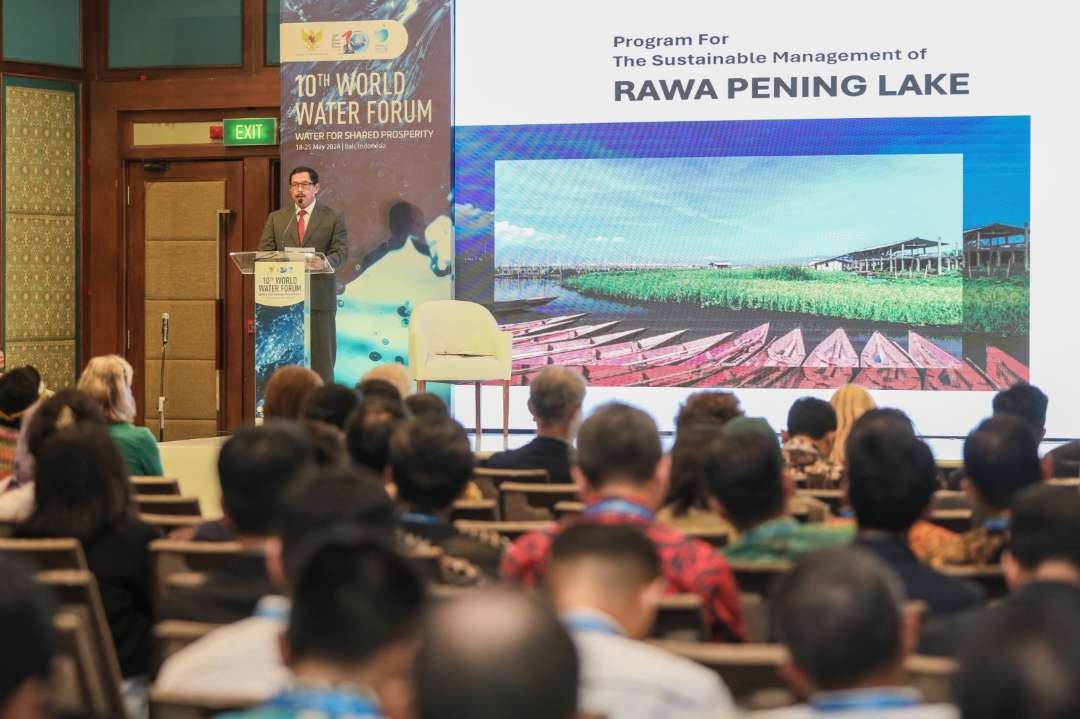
(997, 524)
(590, 623)
(272, 610)
(331, 702)
(417, 518)
(866, 700)
(618, 506)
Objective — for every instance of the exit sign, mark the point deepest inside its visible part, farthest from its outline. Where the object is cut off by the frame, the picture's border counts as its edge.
(251, 131)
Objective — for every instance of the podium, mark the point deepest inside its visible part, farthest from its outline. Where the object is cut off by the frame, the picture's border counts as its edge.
(282, 314)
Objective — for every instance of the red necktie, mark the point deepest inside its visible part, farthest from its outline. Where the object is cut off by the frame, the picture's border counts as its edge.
(300, 225)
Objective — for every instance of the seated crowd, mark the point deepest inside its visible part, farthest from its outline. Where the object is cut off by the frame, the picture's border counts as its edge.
(343, 582)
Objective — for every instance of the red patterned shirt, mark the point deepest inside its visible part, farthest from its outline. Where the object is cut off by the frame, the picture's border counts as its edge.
(690, 566)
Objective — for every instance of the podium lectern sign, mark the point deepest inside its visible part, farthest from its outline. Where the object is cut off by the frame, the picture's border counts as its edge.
(282, 317)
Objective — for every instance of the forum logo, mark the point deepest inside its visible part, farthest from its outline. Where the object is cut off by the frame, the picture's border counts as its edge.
(353, 42)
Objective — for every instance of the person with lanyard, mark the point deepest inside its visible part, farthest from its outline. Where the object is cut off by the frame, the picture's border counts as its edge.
(606, 582)
(839, 613)
(622, 476)
(353, 632)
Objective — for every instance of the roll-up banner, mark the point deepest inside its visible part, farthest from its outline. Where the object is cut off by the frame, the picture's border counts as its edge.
(282, 333)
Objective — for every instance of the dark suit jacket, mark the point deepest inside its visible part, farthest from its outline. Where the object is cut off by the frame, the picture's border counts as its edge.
(942, 594)
(325, 232)
(541, 453)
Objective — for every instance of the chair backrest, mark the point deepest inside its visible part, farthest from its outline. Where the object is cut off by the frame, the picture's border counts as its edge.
(427, 560)
(165, 504)
(758, 577)
(451, 326)
(144, 485)
(7, 527)
(567, 509)
(519, 501)
(834, 498)
(168, 522)
(169, 557)
(510, 530)
(181, 705)
(716, 536)
(44, 554)
(680, 616)
(478, 510)
(77, 592)
(951, 499)
(488, 480)
(78, 683)
(989, 576)
(173, 635)
(755, 612)
(955, 520)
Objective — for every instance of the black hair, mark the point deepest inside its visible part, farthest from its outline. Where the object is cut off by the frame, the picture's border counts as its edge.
(426, 404)
(353, 595)
(688, 489)
(370, 388)
(1024, 660)
(812, 417)
(26, 624)
(66, 407)
(1001, 457)
(368, 431)
(431, 461)
(1066, 460)
(254, 467)
(81, 484)
(331, 403)
(19, 389)
(1045, 525)
(618, 442)
(744, 472)
(891, 476)
(493, 655)
(630, 556)
(708, 407)
(838, 613)
(312, 173)
(324, 498)
(1025, 401)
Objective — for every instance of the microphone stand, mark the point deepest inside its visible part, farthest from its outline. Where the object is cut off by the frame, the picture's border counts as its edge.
(161, 389)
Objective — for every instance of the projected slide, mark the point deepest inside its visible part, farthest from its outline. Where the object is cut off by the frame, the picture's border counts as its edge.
(893, 253)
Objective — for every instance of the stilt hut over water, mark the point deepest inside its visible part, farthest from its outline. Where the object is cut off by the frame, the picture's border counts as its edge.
(914, 256)
(997, 248)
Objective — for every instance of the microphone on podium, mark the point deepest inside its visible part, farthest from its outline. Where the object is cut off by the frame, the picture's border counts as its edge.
(164, 328)
(161, 377)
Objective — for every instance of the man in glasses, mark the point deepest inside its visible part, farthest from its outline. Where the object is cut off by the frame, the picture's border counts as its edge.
(308, 223)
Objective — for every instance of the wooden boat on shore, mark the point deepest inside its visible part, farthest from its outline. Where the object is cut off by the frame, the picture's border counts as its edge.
(1003, 369)
(519, 329)
(505, 307)
(694, 369)
(596, 353)
(814, 378)
(893, 378)
(925, 353)
(561, 335)
(834, 351)
(783, 352)
(652, 358)
(962, 378)
(882, 352)
(533, 352)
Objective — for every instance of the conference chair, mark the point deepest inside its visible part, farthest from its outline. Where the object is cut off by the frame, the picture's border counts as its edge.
(169, 522)
(460, 342)
(566, 509)
(76, 590)
(758, 576)
(488, 480)
(680, 616)
(718, 537)
(955, 520)
(519, 501)
(478, 510)
(46, 554)
(144, 485)
(172, 635)
(78, 684)
(990, 576)
(166, 504)
(833, 498)
(171, 559)
(509, 530)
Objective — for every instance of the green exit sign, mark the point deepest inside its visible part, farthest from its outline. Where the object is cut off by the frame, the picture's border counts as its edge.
(251, 131)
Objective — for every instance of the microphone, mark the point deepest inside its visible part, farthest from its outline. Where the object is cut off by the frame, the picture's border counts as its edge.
(164, 328)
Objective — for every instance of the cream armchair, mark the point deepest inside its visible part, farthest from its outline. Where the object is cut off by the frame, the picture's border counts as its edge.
(454, 341)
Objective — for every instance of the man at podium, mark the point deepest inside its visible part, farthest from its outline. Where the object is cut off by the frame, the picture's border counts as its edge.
(306, 223)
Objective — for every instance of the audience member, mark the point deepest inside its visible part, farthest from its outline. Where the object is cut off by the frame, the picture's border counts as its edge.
(745, 475)
(1024, 663)
(63, 409)
(393, 373)
(607, 584)
(1042, 560)
(83, 490)
(331, 403)
(108, 380)
(286, 391)
(688, 503)
(494, 655)
(622, 477)
(1001, 457)
(426, 404)
(381, 388)
(839, 613)
(1063, 462)
(808, 444)
(328, 441)
(892, 478)
(709, 407)
(555, 397)
(26, 662)
(242, 659)
(19, 390)
(368, 432)
(254, 467)
(353, 631)
(850, 402)
(431, 463)
(1025, 401)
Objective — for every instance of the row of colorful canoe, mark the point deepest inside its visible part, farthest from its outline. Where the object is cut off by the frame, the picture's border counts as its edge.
(748, 359)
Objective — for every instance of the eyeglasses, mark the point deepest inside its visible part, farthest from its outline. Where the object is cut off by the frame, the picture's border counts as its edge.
(301, 185)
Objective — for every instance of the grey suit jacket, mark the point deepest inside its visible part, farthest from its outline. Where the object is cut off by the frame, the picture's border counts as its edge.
(325, 232)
